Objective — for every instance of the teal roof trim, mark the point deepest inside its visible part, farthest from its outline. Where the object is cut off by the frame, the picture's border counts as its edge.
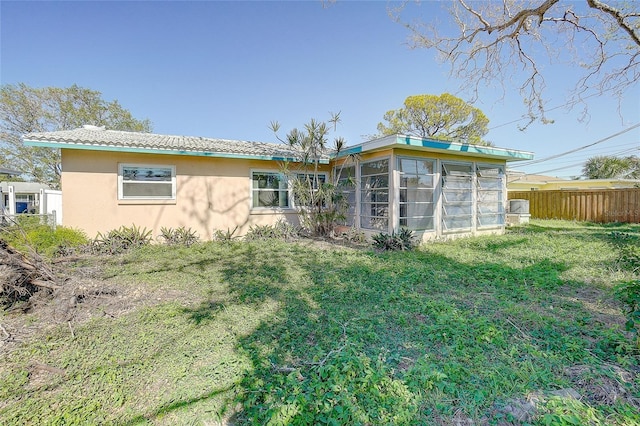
(464, 148)
(349, 151)
(66, 145)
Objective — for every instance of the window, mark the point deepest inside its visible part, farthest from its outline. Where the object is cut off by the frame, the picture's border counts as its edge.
(308, 180)
(374, 185)
(347, 187)
(148, 182)
(457, 196)
(416, 193)
(274, 190)
(490, 195)
(269, 190)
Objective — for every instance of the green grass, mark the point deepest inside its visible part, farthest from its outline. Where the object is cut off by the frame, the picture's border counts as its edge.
(282, 333)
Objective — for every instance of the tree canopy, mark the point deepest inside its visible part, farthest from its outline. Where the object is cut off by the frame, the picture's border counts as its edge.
(488, 43)
(444, 116)
(25, 109)
(610, 167)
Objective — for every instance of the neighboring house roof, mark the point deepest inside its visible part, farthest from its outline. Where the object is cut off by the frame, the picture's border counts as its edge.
(23, 187)
(513, 176)
(4, 171)
(97, 138)
(539, 182)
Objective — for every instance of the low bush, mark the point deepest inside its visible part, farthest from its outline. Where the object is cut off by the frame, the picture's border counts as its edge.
(180, 236)
(224, 236)
(353, 235)
(403, 240)
(44, 240)
(282, 230)
(121, 239)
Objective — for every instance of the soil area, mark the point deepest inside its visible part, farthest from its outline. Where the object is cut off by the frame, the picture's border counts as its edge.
(83, 295)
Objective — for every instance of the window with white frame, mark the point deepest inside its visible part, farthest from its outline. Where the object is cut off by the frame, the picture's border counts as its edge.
(490, 195)
(374, 195)
(416, 203)
(309, 184)
(347, 187)
(457, 196)
(269, 190)
(146, 182)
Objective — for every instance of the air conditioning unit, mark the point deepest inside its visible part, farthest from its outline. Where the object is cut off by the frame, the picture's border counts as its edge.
(518, 206)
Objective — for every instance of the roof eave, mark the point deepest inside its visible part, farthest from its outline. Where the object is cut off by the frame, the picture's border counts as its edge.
(440, 146)
(144, 150)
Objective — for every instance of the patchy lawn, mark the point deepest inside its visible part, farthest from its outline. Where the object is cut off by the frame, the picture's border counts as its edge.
(514, 329)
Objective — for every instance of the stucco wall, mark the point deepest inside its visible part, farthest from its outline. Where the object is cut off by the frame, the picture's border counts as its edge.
(211, 193)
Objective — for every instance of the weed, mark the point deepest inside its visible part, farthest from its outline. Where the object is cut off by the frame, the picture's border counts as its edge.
(271, 332)
(349, 388)
(629, 294)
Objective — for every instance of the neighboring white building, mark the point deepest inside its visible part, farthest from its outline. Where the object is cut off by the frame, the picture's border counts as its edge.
(30, 197)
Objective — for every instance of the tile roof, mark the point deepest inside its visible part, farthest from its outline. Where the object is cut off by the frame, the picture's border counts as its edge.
(91, 137)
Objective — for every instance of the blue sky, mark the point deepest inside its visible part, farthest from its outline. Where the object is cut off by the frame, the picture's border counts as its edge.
(227, 69)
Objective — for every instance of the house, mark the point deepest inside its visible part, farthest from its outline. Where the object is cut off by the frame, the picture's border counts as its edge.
(21, 197)
(30, 197)
(525, 182)
(113, 178)
(3, 209)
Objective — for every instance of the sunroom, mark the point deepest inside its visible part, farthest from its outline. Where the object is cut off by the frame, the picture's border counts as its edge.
(435, 188)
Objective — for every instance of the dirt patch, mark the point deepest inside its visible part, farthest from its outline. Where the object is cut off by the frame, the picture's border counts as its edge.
(84, 295)
(606, 385)
(598, 303)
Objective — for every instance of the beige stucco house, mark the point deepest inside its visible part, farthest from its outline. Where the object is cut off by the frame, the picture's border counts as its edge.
(113, 178)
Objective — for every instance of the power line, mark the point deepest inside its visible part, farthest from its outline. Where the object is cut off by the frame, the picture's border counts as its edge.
(566, 104)
(556, 169)
(580, 148)
(607, 152)
(574, 165)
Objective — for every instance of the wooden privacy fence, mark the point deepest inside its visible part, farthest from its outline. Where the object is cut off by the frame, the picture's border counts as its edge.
(593, 205)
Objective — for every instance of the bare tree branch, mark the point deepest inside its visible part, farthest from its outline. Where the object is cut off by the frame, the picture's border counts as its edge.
(621, 18)
(494, 43)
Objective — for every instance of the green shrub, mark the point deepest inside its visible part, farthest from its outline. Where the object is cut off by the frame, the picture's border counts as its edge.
(224, 236)
(120, 240)
(403, 240)
(43, 239)
(180, 236)
(61, 242)
(282, 230)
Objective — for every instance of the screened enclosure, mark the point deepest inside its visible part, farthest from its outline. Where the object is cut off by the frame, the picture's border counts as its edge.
(427, 195)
